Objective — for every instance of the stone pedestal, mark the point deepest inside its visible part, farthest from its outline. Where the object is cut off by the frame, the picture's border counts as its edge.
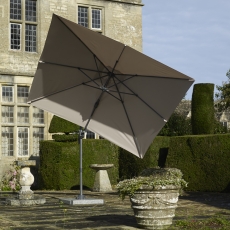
(26, 180)
(101, 182)
(26, 195)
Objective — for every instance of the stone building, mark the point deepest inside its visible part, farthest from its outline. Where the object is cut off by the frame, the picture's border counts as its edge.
(23, 28)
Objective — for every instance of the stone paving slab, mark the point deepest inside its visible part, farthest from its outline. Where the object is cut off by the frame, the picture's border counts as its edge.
(114, 214)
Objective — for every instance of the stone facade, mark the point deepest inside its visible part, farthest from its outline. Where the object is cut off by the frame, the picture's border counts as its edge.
(119, 19)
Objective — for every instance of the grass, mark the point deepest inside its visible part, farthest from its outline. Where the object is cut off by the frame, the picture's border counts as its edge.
(215, 222)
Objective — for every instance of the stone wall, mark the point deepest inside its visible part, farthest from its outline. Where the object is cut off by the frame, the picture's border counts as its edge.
(122, 21)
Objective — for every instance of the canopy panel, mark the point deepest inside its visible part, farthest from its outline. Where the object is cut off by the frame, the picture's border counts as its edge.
(105, 86)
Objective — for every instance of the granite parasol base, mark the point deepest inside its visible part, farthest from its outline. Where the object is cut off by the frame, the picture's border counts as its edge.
(74, 201)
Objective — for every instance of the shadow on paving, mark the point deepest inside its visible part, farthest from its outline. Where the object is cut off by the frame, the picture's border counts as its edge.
(218, 200)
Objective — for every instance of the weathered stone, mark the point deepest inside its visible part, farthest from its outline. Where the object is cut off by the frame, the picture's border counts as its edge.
(155, 209)
(26, 163)
(36, 200)
(25, 195)
(101, 182)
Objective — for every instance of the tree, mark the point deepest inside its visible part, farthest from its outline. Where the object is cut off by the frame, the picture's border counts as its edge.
(223, 96)
(177, 125)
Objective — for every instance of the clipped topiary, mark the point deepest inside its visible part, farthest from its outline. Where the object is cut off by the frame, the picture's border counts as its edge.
(65, 138)
(203, 119)
(60, 125)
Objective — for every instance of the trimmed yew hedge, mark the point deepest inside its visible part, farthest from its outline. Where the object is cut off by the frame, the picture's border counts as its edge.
(59, 163)
(60, 125)
(130, 165)
(202, 108)
(204, 161)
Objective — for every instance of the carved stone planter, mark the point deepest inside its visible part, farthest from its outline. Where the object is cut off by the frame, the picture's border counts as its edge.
(155, 209)
(26, 196)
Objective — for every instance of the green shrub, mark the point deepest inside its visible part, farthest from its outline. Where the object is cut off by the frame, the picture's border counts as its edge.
(219, 128)
(203, 159)
(59, 163)
(203, 121)
(60, 125)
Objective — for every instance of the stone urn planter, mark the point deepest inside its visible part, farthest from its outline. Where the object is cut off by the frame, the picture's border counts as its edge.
(153, 195)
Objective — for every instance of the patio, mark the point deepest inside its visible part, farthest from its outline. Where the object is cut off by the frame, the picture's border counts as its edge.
(114, 214)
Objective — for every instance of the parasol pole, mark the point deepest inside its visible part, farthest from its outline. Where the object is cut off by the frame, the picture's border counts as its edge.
(81, 136)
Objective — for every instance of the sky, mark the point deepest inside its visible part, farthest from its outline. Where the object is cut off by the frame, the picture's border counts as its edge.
(191, 36)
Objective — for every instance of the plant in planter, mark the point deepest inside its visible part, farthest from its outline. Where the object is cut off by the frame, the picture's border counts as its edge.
(154, 195)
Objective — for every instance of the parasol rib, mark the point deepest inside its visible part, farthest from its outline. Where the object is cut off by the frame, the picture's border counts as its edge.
(71, 87)
(126, 113)
(97, 103)
(102, 90)
(132, 76)
(107, 82)
(83, 43)
(97, 68)
(141, 99)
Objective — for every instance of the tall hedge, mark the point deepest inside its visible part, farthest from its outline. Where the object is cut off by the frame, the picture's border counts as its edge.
(59, 163)
(203, 120)
(204, 161)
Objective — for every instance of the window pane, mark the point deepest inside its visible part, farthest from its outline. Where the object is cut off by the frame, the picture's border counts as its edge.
(15, 9)
(31, 38)
(23, 93)
(7, 94)
(23, 114)
(23, 141)
(83, 16)
(96, 19)
(38, 116)
(7, 114)
(90, 135)
(38, 135)
(15, 35)
(7, 141)
(31, 10)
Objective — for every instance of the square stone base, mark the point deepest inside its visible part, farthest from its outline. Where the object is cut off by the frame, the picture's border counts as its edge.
(74, 201)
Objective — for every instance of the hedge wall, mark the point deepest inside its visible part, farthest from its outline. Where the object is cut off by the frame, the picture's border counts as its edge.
(59, 163)
(131, 166)
(204, 161)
